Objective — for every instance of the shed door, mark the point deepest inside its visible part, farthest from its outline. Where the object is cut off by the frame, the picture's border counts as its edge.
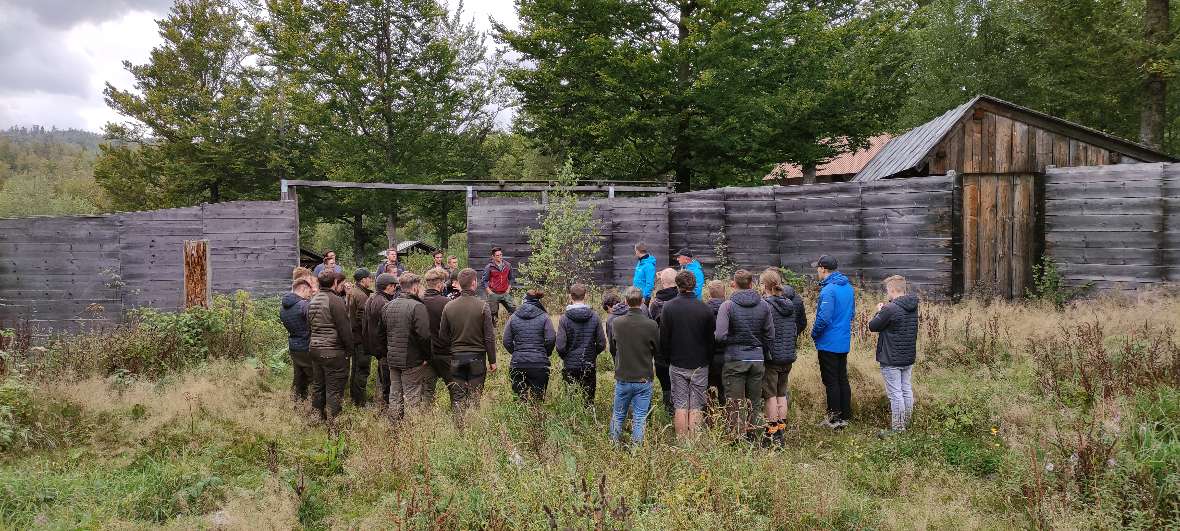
(1000, 245)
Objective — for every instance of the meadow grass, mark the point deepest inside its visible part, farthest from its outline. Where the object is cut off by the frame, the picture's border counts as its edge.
(1002, 438)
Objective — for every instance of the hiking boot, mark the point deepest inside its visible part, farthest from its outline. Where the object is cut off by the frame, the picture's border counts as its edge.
(840, 424)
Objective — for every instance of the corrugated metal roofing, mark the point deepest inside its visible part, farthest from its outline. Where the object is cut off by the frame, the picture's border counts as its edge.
(907, 151)
(845, 164)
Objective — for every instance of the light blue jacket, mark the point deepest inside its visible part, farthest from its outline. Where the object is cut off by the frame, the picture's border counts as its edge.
(695, 267)
(645, 275)
(832, 330)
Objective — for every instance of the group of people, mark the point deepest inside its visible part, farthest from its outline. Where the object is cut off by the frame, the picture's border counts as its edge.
(704, 348)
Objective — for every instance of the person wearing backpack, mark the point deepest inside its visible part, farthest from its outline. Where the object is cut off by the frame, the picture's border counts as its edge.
(579, 341)
(896, 323)
(775, 388)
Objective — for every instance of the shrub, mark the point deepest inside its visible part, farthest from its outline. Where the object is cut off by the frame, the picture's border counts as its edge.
(565, 246)
(973, 345)
(1048, 286)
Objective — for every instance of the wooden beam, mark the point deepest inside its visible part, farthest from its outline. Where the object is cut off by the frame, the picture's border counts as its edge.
(507, 187)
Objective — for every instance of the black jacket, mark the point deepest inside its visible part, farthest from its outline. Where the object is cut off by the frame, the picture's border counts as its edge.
(529, 336)
(800, 311)
(294, 318)
(745, 327)
(658, 301)
(897, 322)
(782, 347)
(580, 337)
(686, 332)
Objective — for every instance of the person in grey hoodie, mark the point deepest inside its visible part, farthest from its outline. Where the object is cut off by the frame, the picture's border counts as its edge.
(896, 323)
(579, 341)
(529, 337)
(745, 327)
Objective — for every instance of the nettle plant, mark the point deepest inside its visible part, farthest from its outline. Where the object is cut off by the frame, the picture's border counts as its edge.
(566, 245)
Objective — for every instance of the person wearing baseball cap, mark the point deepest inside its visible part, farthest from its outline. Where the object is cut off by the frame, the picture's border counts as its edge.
(832, 333)
(690, 264)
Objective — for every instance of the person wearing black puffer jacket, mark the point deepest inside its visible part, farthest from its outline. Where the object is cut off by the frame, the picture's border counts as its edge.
(746, 329)
(896, 322)
(665, 292)
(579, 341)
(294, 318)
(529, 337)
(775, 387)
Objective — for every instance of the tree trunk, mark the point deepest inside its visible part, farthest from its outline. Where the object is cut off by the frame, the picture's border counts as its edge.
(215, 192)
(391, 228)
(358, 239)
(809, 173)
(682, 150)
(1155, 88)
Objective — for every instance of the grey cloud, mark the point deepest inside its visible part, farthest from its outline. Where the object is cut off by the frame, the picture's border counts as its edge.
(33, 58)
(64, 14)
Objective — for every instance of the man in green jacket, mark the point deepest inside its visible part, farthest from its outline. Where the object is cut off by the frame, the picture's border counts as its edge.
(331, 341)
(467, 329)
(634, 340)
(405, 326)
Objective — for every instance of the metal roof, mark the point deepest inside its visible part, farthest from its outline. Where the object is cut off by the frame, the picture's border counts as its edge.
(907, 151)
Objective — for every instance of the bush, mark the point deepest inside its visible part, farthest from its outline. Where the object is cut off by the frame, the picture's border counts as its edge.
(565, 246)
(28, 423)
(1048, 286)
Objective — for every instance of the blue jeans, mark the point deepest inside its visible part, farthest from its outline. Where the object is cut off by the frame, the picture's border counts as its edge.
(637, 398)
(900, 393)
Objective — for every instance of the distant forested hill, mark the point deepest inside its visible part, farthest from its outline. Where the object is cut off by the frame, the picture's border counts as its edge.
(49, 172)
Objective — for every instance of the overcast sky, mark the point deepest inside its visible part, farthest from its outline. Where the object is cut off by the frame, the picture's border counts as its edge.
(56, 55)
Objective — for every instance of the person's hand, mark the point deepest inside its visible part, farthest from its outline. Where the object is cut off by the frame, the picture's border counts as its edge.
(492, 367)
(880, 305)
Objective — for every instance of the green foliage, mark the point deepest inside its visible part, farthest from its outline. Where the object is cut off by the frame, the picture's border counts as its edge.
(28, 422)
(48, 172)
(1049, 287)
(564, 249)
(725, 266)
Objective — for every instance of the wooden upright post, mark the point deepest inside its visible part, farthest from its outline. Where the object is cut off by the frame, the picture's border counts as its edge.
(198, 287)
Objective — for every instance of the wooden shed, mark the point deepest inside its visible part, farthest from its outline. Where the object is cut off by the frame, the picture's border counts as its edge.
(999, 151)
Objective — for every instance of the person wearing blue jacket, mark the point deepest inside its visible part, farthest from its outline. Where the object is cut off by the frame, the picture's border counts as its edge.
(832, 333)
(690, 264)
(645, 271)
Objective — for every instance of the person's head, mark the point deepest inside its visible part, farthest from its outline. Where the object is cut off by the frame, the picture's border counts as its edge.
(387, 283)
(497, 254)
(300, 272)
(824, 266)
(633, 296)
(301, 287)
(640, 249)
(332, 280)
(577, 293)
(362, 277)
(772, 281)
(683, 256)
(410, 284)
(666, 278)
(716, 289)
(895, 286)
(742, 279)
(452, 261)
(438, 258)
(467, 278)
(435, 278)
(611, 299)
(330, 257)
(391, 255)
(686, 282)
(535, 294)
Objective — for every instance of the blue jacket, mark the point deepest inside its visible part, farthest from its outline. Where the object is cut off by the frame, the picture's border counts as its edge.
(695, 267)
(832, 330)
(645, 274)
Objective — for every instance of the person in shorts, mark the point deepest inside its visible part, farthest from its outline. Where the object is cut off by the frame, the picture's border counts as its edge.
(775, 388)
(686, 346)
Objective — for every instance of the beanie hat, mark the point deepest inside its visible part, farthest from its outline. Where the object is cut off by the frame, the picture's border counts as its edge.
(360, 273)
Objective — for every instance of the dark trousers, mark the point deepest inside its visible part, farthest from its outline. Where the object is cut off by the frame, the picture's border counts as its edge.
(383, 380)
(665, 387)
(467, 375)
(529, 383)
(585, 379)
(329, 372)
(358, 382)
(301, 366)
(442, 371)
(716, 385)
(833, 370)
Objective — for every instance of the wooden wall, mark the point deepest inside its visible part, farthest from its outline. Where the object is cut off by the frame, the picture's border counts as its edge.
(995, 143)
(999, 233)
(1115, 226)
(77, 271)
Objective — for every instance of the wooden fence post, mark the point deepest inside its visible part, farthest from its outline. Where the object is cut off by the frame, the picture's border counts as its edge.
(197, 277)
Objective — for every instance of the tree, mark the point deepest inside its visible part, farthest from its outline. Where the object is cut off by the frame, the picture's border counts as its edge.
(390, 91)
(1157, 68)
(192, 130)
(564, 248)
(706, 92)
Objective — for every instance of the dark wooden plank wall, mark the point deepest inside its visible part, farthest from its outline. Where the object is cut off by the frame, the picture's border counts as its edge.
(996, 144)
(752, 227)
(1114, 226)
(66, 272)
(696, 221)
(999, 232)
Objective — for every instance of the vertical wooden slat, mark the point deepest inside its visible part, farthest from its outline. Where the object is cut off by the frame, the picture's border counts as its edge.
(954, 155)
(1022, 233)
(1020, 151)
(1075, 153)
(1003, 256)
(1044, 150)
(973, 129)
(987, 230)
(197, 278)
(1060, 151)
(970, 231)
(988, 146)
(1003, 145)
